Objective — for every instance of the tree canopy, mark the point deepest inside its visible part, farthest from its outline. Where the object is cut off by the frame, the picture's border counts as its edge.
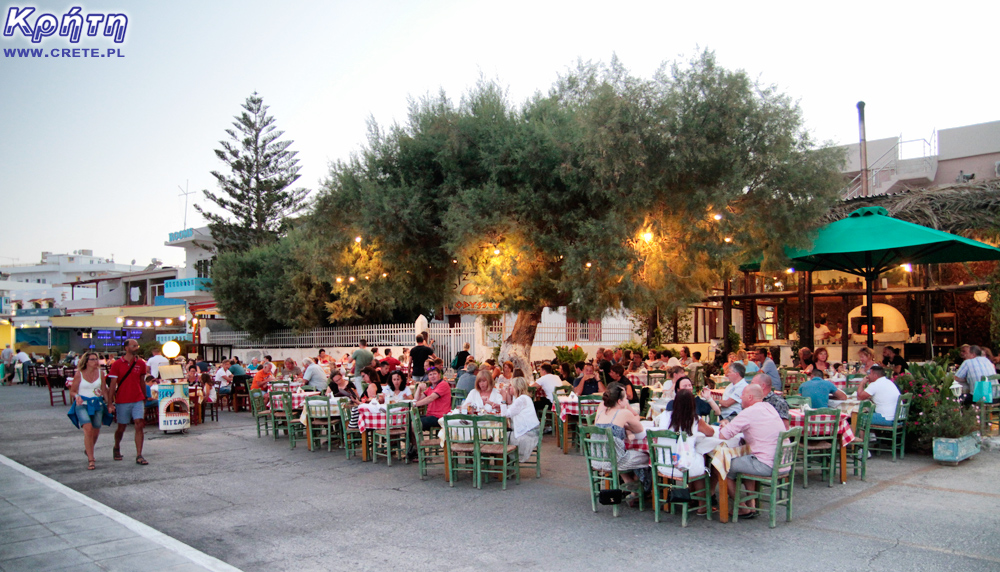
(609, 191)
(256, 191)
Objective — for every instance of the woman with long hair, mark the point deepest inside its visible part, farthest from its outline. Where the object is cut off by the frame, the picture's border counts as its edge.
(524, 421)
(88, 391)
(614, 413)
(684, 420)
(396, 387)
(485, 392)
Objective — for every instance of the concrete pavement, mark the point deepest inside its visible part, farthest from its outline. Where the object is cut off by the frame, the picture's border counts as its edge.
(258, 505)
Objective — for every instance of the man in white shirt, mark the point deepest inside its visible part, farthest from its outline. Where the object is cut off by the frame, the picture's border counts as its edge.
(7, 356)
(882, 392)
(976, 367)
(314, 375)
(224, 379)
(23, 360)
(732, 397)
(155, 361)
(821, 332)
(548, 382)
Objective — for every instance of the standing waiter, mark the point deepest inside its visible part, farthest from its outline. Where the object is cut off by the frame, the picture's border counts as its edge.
(127, 397)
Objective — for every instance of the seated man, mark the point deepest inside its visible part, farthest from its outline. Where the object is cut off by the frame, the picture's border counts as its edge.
(975, 368)
(588, 383)
(763, 381)
(314, 376)
(289, 369)
(263, 377)
(224, 378)
(548, 383)
(820, 390)
(732, 396)
(467, 379)
(761, 427)
(438, 402)
(882, 392)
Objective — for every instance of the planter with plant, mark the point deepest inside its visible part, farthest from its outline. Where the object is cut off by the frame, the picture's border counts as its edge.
(954, 430)
(570, 355)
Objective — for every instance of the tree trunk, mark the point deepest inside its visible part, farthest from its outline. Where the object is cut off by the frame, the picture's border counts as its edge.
(517, 347)
(653, 324)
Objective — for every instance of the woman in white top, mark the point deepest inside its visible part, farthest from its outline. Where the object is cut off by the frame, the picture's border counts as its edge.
(521, 412)
(506, 374)
(396, 388)
(88, 390)
(684, 420)
(485, 392)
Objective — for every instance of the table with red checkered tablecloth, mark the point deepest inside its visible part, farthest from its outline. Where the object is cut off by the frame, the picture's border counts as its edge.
(796, 418)
(369, 420)
(298, 399)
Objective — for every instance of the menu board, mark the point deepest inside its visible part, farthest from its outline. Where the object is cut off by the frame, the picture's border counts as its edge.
(175, 407)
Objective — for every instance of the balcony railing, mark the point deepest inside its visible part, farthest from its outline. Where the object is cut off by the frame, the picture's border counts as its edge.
(187, 285)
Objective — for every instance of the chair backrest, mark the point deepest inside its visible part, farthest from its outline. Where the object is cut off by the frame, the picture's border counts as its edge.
(281, 386)
(866, 410)
(661, 455)
(902, 408)
(562, 390)
(318, 407)
(397, 415)
(460, 429)
(588, 408)
(797, 401)
(491, 428)
(821, 423)
(458, 396)
(280, 401)
(257, 401)
(786, 453)
(656, 375)
(598, 446)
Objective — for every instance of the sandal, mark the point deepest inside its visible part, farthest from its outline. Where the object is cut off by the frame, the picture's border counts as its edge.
(750, 515)
(140, 460)
(91, 465)
(117, 454)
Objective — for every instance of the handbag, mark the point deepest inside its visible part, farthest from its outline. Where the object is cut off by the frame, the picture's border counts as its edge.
(680, 496)
(611, 496)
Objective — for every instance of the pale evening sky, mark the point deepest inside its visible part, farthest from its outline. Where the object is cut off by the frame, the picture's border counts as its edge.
(93, 150)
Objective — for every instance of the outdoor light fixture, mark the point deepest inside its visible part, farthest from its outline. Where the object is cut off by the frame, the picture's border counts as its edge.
(148, 323)
(790, 271)
(119, 319)
(647, 236)
(339, 279)
(129, 322)
(729, 239)
(588, 265)
(981, 296)
(384, 275)
(717, 216)
(182, 318)
(454, 261)
(777, 284)
(357, 239)
(169, 322)
(496, 251)
(351, 279)
(157, 323)
(171, 349)
(194, 321)
(907, 267)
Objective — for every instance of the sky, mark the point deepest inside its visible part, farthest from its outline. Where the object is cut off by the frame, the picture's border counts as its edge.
(94, 152)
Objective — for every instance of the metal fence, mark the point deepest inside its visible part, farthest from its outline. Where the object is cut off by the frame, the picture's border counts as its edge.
(569, 333)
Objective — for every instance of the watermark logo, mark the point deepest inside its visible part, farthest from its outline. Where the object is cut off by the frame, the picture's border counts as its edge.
(70, 25)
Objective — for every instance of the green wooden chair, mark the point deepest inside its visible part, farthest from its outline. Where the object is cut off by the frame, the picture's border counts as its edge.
(282, 416)
(319, 422)
(857, 450)
(395, 438)
(656, 375)
(588, 411)
(429, 451)
(892, 438)
(494, 455)
(258, 400)
(598, 450)
(783, 376)
(460, 446)
(776, 489)
(350, 437)
(819, 443)
(792, 383)
(457, 397)
(666, 479)
(797, 401)
(536, 456)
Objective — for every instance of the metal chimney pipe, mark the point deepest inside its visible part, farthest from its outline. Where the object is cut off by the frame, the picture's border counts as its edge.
(864, 149)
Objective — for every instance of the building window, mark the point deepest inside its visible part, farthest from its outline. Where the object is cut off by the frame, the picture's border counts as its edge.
(203, 268)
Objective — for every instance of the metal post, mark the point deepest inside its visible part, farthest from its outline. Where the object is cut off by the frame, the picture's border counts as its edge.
(727, 315)
(864, 149)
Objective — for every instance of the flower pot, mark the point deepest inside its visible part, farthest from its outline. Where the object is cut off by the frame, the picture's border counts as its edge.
(952, 451)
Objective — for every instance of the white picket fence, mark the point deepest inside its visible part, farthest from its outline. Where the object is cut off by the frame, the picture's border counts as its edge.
(570, 333)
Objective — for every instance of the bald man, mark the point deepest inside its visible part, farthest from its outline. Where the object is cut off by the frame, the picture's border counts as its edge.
(761, 427)
(763, 381)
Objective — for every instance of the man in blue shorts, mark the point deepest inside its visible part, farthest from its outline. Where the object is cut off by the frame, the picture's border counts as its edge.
(127, 396)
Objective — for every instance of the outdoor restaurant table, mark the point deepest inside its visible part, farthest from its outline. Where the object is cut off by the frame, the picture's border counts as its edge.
(373, 418)
(722, 453)
(797, 418)
(444, 441)
(334, 408)
(570, 406)
(298, 398)
(638, 377)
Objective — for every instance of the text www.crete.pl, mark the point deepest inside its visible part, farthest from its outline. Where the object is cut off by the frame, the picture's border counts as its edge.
(63, 53)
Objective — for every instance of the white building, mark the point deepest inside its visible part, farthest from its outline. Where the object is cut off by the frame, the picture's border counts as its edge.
(64, 268)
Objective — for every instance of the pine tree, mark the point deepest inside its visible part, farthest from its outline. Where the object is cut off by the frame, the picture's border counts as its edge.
(256, 191)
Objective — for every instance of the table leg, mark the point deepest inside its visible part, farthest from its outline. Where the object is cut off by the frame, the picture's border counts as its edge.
(447, 464)
(364, 445)
(566, 437)
(724, 500)
(843, 464)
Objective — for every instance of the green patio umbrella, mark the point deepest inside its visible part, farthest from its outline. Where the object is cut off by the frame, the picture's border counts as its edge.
(869, 242)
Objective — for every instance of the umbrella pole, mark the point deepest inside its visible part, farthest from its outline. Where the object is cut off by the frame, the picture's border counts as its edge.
(871, 312)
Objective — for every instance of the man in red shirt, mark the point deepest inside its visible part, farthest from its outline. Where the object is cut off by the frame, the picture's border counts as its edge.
(393, 362)
(127, 396)
(437, 400)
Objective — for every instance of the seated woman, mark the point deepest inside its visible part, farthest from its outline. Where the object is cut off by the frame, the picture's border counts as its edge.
(506, 374)
(290, 369)
(615, 413)
(704, 404)
(684, 419)
(820, 357)
(374, 388)
(685, 358)
(211, 395)
(485, 392)
(521, 412)
(396, 387)
(340, 386)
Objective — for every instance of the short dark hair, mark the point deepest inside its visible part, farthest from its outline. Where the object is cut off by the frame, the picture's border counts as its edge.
(546, 367)
(363, 342)
(581, 364)
(696, 356)
(420, 338)
(268, 358)
(877, 367)
(617, 368)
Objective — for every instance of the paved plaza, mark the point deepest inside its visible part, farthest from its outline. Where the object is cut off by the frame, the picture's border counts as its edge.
(219, 492)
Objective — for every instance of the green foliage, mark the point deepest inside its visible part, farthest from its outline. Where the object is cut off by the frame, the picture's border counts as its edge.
(735, 342)
(146, 348)
(932, 411)
(570, 355)
(549, 203)
(55, 355)
(256, 191)
(270, 287)
(635, 347)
